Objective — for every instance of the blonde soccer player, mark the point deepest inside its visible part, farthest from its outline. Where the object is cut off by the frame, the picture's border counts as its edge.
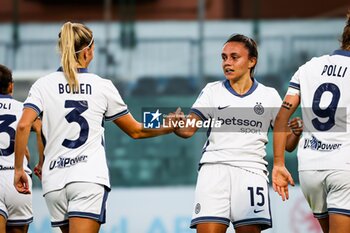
(73, 104)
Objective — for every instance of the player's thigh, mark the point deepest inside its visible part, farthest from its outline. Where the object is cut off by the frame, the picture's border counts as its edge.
(64, 228)
(339, 223)
(324, 223)
(315, 191)
(211, 228)
(212, 195)
(17, 229)
(2, 223)
(250, 202)
(83, 225)
(248, 229)
(3, 208)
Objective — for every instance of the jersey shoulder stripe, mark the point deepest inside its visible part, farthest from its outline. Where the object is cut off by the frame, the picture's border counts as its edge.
(116, 116)
(32, 106)
(198, 113)
(294, 85)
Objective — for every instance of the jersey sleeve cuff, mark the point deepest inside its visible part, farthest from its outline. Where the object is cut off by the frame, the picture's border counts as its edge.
(32, 106)
(294, 85)
(198, 113)
(116, 116)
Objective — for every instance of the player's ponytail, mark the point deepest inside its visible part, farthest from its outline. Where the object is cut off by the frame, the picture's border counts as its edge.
(73, 39)
(68, 57)
(345, 40)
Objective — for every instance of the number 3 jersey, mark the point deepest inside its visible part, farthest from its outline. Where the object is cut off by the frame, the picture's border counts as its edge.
(244, 123)
(72, 127)
(10, 113)
(323, 84)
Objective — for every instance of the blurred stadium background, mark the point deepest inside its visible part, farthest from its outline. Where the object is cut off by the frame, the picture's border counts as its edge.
(160, 53)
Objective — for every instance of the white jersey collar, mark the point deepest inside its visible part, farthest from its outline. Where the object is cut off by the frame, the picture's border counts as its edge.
(250, 91)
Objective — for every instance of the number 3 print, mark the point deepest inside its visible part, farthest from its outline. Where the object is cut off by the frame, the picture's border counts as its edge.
(5, 127)
(75, 116)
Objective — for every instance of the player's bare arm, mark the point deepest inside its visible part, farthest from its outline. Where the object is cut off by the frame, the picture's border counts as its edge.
(36, 127)
(135, 129)
(22, 135)
(280, 175)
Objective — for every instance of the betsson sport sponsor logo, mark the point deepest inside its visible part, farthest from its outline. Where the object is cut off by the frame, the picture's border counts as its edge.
(222, 124)
(62, 162)
(315, 144)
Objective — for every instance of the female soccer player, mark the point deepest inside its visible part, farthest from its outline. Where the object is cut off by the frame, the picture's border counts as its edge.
(15, 208)
(232, 183)
(321, 87)
(73, 104)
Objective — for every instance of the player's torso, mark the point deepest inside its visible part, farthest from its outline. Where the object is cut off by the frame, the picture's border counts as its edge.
(325, 97)
(245, 121)
(247, 114)
(72, 119)
(73, 130)
(10, 114)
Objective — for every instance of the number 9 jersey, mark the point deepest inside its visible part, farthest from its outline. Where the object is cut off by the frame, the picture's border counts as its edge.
(72, 127)
(323, 85)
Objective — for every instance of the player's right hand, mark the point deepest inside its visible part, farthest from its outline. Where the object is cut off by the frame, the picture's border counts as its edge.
(21, 182)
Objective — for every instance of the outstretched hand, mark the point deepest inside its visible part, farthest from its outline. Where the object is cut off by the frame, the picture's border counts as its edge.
(173, 118)
(280, 180)
(21, 182)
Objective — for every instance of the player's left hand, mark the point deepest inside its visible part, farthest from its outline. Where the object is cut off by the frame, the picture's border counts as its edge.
(21, 182)
(296, 125)
(37, 171)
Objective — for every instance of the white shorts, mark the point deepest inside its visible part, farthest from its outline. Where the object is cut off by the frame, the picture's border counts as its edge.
(327, 191)
(77, 199)
(227, 193)
(14, 206)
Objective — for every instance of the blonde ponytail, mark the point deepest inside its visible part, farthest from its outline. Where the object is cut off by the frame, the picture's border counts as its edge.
(68, 56)
(72, 38)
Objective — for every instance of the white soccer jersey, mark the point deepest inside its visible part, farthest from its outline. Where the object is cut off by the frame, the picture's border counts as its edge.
(10, 113)
(323, 85)
(72, 125)
(245, 119)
